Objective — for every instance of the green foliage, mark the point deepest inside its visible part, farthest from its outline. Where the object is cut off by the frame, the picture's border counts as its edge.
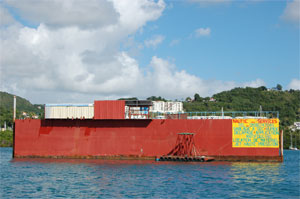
(154, 98)
(6, 138)
(262, 88)
(23, 105)
(129, 98)
(279, 87)
(197, 98)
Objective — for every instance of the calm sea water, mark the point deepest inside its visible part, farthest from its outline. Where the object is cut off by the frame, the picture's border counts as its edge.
(44, 178)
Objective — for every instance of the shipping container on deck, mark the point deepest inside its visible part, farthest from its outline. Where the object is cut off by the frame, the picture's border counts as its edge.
(109, 109)
(69, 111)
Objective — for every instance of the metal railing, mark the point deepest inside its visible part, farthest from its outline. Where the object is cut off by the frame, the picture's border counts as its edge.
(215, 115)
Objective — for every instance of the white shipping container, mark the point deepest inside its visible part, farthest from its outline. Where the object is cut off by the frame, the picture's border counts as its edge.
(69, 111)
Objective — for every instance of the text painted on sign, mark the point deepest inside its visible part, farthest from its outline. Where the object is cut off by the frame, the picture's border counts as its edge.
(255, 133)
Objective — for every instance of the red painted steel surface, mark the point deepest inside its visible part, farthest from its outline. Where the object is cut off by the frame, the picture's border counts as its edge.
(109, 109)
(142, 138)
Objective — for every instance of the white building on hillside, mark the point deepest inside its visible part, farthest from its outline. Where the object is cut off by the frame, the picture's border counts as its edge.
(164, 107)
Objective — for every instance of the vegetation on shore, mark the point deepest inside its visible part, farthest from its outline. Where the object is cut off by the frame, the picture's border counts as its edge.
(24, 109)
(6, 138)
(250, 99)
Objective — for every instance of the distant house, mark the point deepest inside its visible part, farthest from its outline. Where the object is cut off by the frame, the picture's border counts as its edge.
(272, 89)
(295, 127)
(189, 100)
(212, 99)
(166, 107)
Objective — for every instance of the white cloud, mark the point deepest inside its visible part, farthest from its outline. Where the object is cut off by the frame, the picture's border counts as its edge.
(135, 13)
(53, 60)
(69, 61)
(294, 84)
(56, 13)
(154, 41)
(68, 55)
(292, 12)
(166, 80)
(254, 84)
(202, 32)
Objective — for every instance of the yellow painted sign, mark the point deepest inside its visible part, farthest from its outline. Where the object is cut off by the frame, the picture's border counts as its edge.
(255, 133)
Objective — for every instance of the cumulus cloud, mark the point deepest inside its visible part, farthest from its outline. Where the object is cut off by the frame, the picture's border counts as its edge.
(154, 41)
(79, 60)
(254, 84)
(200, 32)
(292, 12)
(135, 14)
(56, 13)
(67, 54)
(166, 80)
(294, 84)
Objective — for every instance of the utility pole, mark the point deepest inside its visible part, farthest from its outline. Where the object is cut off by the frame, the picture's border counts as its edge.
(222, 112)
(15, 107)
(291, 145)
(260, 110)
(281, 143)
(14, 125)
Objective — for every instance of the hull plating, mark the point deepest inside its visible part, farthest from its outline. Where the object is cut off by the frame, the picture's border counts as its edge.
(129, 139)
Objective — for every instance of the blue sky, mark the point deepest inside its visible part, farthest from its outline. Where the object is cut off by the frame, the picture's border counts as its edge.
(77, 51)
(248, 40)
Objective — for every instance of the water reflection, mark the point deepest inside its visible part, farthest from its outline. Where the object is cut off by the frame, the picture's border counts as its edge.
(110, 162)
(78, 161)
(258, 178)
(94, 178)
(255, 171)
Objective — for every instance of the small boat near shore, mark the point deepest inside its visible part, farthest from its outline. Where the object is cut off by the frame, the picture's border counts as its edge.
(291, 146)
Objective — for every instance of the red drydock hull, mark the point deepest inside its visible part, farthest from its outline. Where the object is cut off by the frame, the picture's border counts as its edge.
(129, 139)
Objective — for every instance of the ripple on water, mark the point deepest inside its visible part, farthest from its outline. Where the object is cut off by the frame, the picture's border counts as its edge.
(44, 178)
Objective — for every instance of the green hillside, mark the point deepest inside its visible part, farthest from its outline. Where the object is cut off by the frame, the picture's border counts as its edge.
(23, 105)
(250, 99)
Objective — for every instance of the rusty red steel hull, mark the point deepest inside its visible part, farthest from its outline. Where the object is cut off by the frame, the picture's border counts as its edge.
(129, 139)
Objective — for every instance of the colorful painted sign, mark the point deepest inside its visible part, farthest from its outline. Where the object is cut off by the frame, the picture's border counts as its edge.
(255, 133)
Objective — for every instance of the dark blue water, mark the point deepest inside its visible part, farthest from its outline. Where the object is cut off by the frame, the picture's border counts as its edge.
(44, 178)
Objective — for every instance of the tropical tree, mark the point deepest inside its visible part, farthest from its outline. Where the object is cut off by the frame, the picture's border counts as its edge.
(279, 87)
(197, 98)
